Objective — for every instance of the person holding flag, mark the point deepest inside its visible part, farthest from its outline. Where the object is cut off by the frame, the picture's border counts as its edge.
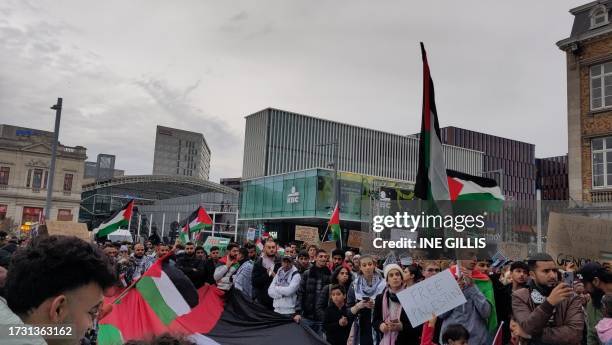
(334, 225)
(198, 220)
(120, 218)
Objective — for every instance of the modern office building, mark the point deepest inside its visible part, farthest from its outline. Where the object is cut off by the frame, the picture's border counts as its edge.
(181, 153)
(232, 182)
(552, 178)
(278, 142)
(510, 162)
(102, 169)
(25, 157)
(588, 52)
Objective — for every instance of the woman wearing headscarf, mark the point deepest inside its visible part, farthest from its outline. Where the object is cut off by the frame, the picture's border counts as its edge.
(361, 296)
(389, 316)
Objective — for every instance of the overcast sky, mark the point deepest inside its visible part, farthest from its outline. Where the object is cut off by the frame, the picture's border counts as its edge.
(124, 67)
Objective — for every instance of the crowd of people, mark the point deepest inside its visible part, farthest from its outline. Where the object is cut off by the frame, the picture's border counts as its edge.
(344, 296)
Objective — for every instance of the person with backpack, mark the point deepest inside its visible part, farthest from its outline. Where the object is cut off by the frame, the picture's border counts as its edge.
(284, 286)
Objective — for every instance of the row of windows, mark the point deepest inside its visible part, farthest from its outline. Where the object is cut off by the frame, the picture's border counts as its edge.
(489, 144)
(512, 168)
(36, 178)
(602, 162)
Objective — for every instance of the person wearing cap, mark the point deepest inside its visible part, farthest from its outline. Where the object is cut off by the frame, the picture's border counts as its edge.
(284, 287)
(546, 312)
(597, 283)
(389, 316)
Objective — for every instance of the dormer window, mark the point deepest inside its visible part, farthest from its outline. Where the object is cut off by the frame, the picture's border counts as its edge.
(599, 16)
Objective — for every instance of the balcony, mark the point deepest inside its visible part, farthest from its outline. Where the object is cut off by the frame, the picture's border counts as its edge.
(601, 196)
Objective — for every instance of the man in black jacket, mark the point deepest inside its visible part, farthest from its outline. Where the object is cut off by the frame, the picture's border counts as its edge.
(264, 271)
(313, 281)
(192, 266)
(211, 264)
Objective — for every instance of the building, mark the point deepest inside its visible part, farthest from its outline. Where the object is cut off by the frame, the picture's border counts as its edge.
(232, 182)
(287, 180)
(181, 153)
(552, 178)
(510, 162)
(278, 142)
(102, 169)
(588, 52)
(25, 157)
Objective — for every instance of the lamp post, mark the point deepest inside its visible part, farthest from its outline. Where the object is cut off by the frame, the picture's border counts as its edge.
(58, 114)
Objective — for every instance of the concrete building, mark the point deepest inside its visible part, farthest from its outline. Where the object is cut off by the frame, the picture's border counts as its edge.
(232, 182)
(278, 142)
(512, 159)
(102, 169)
(552, 178)
(181, 153)
(25, 156)
(588, 52)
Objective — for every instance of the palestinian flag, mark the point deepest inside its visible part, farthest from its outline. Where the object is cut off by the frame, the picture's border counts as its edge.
(485, 286)
(334, 224)
(499, 336)
(120, 218)
(165, 301)
(431, 181)
(198, 220)
(474, 188)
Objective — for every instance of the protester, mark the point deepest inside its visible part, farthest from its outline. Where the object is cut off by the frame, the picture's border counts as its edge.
(161, 250)
(226, 267)
(55, 280)
(473, 314)
(111, 251)
(312, 253)
(211, 264)
(244, 274)
(303, 261)
(193, 267)
(546, 312)
(389, 316)
(200, 253)
(311, 286)
(150, 249)
(337, 259)
(430, 269)
(335, 322)
(340, 276)
(252, 251)
(348, 256)
(284, 286)
(597, 283)
(264, 271)
(453, 335)
(519, 271)
(412, 275)
(604, 326)
(361, 296)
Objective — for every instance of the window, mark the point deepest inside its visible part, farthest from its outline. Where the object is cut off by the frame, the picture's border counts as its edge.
(4, 175)
(602, 162)
(68, 182)
(45, 179)
(599, 16)
(29, 178)
(601, 86)
(3, 209)
(37, 179)
(64, 215)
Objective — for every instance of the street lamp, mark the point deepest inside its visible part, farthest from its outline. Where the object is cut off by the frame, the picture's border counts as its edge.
(58, 114)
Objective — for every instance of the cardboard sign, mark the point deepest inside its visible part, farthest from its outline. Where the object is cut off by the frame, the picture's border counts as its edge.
(356, 238)
(328, 246)
(220, 242)
(578, 238)
(307, 234)
(513, 250)
(434, 295)
(56, 227)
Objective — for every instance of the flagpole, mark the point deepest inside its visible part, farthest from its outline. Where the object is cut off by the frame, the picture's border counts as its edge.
(325, 233)
(163, 223)
(150, 224)
(139, 223)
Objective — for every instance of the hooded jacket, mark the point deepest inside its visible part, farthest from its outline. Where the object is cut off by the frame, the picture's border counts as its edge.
(283, 290)
(473, 315)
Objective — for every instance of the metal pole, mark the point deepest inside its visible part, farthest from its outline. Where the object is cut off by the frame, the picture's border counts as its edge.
(539, 218)
(212, 231)
(139, 223)
(236, 228)
(163, 223)
(150, 224)
(58, 114)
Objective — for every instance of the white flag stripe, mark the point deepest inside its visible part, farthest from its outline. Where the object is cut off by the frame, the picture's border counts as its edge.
(171, 295)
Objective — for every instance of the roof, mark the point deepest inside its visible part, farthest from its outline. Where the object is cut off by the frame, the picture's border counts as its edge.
(158, 187)
(581, 29)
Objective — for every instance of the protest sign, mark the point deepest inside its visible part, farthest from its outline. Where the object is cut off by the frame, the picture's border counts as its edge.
(513, 250)
(328, 246)
(307, 234)
(251, 234)
(220, 242)
(356, 238)
(578, 238)
(434, 295)
(56, 227)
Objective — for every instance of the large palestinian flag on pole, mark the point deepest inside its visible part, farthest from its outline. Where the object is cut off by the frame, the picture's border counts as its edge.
(197, 221)
(334, 224)
(165, 301)
(431, 181)
(120, 218)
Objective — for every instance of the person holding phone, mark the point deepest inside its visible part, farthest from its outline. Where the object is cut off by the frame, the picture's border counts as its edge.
(389, 316)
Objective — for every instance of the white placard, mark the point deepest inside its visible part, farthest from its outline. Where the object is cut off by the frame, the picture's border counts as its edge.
(434, 295)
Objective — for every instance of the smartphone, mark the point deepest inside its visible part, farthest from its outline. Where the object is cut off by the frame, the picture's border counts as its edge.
(568, 278)
(367, 299)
